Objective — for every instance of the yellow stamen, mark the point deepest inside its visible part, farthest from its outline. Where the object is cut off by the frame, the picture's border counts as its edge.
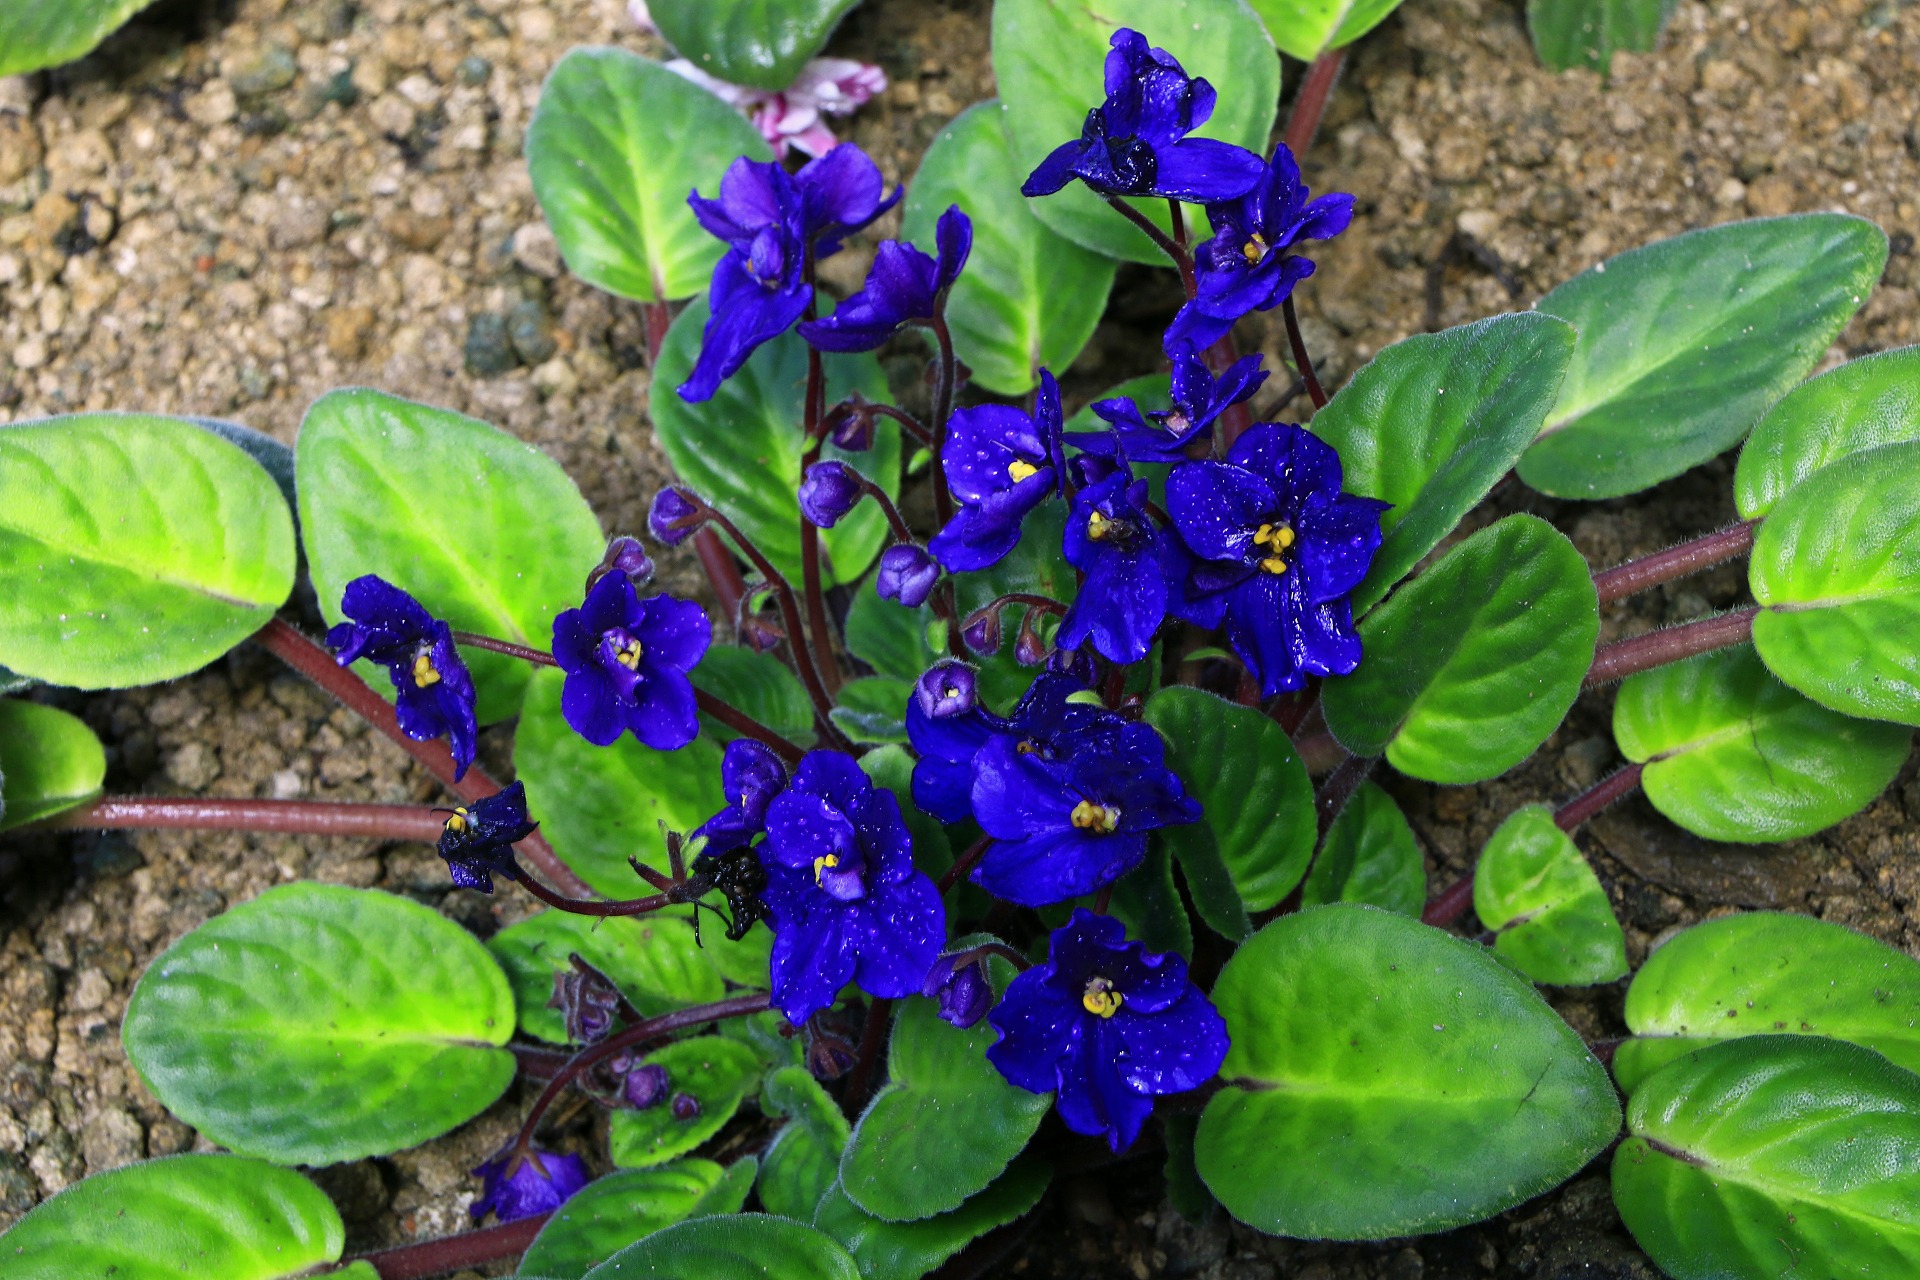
(629, 655)
(1176, 422)
(1019, 469)
(1100, 998)
(1254, 249)
(457, 821)
(821, 864)
(1098, 526)
(1274, 564)
(1089, 816)
(1026, 746)
(1279, 537)
(423, 672)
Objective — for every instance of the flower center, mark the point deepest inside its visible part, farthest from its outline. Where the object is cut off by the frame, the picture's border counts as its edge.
(424, 673)
(628, 655)
(1103, 818)
(1277, 537)
(1098, 526)
(1175, 422)
(1254, 249)
(822, 864)
(1100, 998)
(1019, 469)
(457, 821)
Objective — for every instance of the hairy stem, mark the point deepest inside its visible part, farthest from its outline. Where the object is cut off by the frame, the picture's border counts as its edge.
(455, 1253)
(965, 863)
(1340, 786)
(297, 817)
(597, 906)
(1623, 658)
(908, 423)
(1303, 363)
(1183, 253)
(722, 573)
(872, 1035)
(1303, 121)
(1675, 562)
(1181, 258)
(537, 657)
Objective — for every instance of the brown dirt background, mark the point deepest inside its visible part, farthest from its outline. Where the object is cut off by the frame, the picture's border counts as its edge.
(237, 205)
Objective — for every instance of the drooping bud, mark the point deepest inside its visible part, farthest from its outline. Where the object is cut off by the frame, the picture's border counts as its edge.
(645, 1086)
(849, 424)
(587, 1000)
(675, 516)
(981, 631)
(907, 574)
(947, 689)
(1029, 650)
(963, 991)
(828, 492)
(624, 555)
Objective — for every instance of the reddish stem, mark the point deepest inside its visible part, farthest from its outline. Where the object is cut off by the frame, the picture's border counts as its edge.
(1303, 363)
(1340, 786)
(658, 318)
(299, 817)
(538, 657)
(1449, 904)
(1303, 121)
(1675, 562)
(729, 588)
(965, 863)
(1162, 241)
(455, 1253)
(597, 906)
(1184, 257)
(872, 1036)
(1623, 658)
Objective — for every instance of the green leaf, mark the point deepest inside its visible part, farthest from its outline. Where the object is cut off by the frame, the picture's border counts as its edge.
(318, 1024)
(189, 1215)
(1388, 1079)
(485, 531)
(1147, 902)
(49, 762)
(762, 43)
(1048, 59)
(1733, 754)
(275, 458)
(652, 959)
(873, 709)
(1553, 922)
(1305, 29)
(889, 638)
(614, 147)
(14, 682)
(1587, 33)
(133, 549)
(1861, 405)
(38, 35)
(945, 1125)
(908, 1250)
(741, 450)
(613, 1212)
(1185, 1191)
(717, 1072)
(1774, 1156)
(1258, 801)
(804, 1160)
(1765, 974)
(1471, 666)
(1836, 569)
(1029, 297)
(740, 1246)
(1369, 856)
(760, 685)
(1685, 342)
(1432, 423)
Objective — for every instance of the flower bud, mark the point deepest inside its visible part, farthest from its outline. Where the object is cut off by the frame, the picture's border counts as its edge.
(907, 574)
(981, 631)
(1029, 650)
(759, 634)
(947, 689)
(624, 555)
(675, 516)
(849, 424)
(645, 1086)
(963, 991)
(587, 999)
(829, 490)
(685, 1107)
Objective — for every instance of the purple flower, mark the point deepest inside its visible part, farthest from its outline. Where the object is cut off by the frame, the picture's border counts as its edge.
(795, 116)
(535, 1183)
(947, 689)
(1279, 549)
(477, 840)
(1246, 266)
(1000, 464)
(624, 555)
(627, 661)
(1106, 1026)
(587, 1000)
(963, 991)
(1198, 399)
(1128, 562)
(1136, 144)
(829, 491)
(905, 286)
(1044, 723)
(675, 516)
(842, 895)
(433, 692)
(906, 574)
(849, 424)
(751, 775)
(1074, 819)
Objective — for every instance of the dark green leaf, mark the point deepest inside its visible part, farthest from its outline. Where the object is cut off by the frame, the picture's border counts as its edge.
(1305, 29)
(49, 762)
(14, 682)
(804, 1159)
(1685, 342)
(760, 685)
(1432, 422)
(1587, 33)
(1148, 903)
(715, 1071)
(1257, 798)
(37, 35)
(485, 531)
(318, 1023)
(1553, 922)
(1836, 568)
(947, 1123)
(1030, 297)
(890, 639)
(133, 549)
(1774, 1156)
(1185, 1191)
(762, 43)
(194, 1215)
(908, 1250)
(652, 959)
(1733, 754)
(615, 146)
(1048, 57)
(615, 1211)
(741, 450)
(873, 709)
(1387, 1079)
(1861, 405)
(739, 1246)
(1472, 665)
(1369, 856)
(1764, 974)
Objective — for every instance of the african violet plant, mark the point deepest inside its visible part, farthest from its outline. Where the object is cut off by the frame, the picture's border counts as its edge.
(963, 854)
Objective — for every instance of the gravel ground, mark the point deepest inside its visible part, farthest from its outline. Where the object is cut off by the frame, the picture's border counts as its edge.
(234, 207)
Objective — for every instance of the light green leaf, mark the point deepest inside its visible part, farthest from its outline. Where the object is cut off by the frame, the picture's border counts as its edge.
(49, 762)
(762, 43)
(652, 959)
(1587, 33)
(1369, 856)
(908, 1250)
(717, 1072)
(1305, 29)
(1387, 1079)
(1685, 342)
(804, 1159)
(1471, 666)
(48, 33)
(317, 1024)
(1551, 918)
(1861, 405)
(740, 1246)
(133, 549)
(485, 531)
(613, 1212)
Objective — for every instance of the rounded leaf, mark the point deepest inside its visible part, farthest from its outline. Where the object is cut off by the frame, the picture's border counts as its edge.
(908, 1250)
(803, 1160)
(1370, 855)
(1861, 405)
(652, 959)
(739, 1246)
(1471, 666)
(1305, 29)
(762, 43)
(610, 1213)
(1587, 33)
(614, 147)
(190, 1215)
(1836, 569)
(35, 36)
(1685, 342)
(318, 1024)
(1774, 1156)
(49, 762)
(1551, 919)
(1769, 974)
(1387, 1079)
(715, 1071)
(133, 549)
(1733, 754)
